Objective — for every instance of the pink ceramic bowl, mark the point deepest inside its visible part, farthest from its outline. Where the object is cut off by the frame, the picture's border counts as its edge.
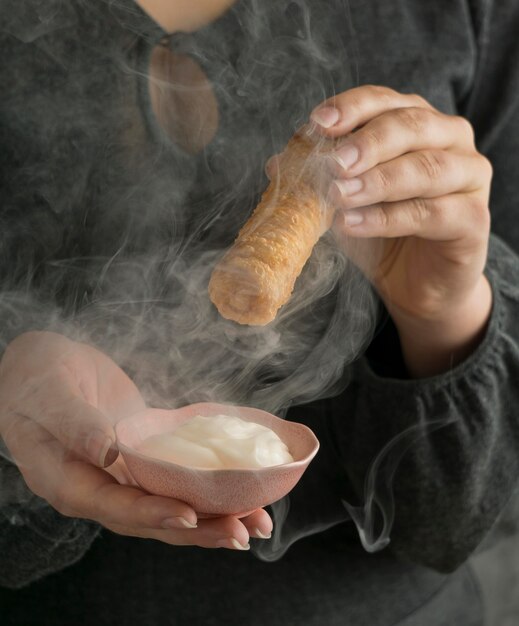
(209, 491)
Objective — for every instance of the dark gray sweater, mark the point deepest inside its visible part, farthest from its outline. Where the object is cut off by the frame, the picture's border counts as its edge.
(86, 176)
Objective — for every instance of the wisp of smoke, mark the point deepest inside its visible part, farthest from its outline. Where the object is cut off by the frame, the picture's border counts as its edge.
(122, 228)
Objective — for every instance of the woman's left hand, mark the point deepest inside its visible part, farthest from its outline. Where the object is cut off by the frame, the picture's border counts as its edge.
(413, 191)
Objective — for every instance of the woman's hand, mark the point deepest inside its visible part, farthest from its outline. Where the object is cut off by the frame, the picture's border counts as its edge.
(413, 195)
(58, 402)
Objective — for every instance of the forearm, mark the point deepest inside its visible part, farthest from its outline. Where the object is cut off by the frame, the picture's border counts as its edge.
(433, 346)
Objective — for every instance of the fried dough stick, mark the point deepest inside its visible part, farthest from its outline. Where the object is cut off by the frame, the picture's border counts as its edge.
(257, 274)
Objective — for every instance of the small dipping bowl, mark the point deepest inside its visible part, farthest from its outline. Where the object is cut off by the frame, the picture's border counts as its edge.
(213, 492)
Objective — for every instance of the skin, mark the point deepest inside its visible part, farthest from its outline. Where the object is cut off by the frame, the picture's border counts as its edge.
(60, 398)
(184, 15)
(59, 402)
(182, 99)
(421, 213)
(412, 192)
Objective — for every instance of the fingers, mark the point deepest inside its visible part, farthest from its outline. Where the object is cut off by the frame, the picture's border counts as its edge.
(77, 489)
(69, 388)
(427, 174)
(259, 524)
(50, 428)
(405, 165)
(445, 218)
(226, 533)
(398, 132)
(353, 108)
(220, 532)
(111, 503)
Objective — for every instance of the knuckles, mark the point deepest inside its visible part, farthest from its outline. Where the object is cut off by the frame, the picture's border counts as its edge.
(381, 219)
(430, 163)
(354, 103)
(420, 101)
(370, 141)
(358, 98)
(415, 118)
(479, 215)
(466, 129)
(419, 210)
(487, 167)
(380, 93)
(372, 138)
(384, 180)
(440, 212)
(388, 97)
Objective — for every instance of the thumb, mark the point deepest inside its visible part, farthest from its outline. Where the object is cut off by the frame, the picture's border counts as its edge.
(60, 407)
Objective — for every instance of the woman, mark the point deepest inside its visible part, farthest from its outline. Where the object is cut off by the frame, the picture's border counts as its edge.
(86, 151)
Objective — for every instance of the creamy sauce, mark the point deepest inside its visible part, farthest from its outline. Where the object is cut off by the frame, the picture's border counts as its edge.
(219, 442)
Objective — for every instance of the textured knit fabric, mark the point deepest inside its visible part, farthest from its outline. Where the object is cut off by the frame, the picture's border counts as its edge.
(80, 163)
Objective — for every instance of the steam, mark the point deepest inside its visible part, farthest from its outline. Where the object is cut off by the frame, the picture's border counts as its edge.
(496, 568)
(154, 220)
(378, 489)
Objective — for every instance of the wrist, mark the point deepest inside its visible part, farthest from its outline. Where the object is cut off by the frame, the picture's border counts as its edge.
(433, 345)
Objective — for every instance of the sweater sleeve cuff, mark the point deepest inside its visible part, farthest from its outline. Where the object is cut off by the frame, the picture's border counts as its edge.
(35, 540)
(445, 446)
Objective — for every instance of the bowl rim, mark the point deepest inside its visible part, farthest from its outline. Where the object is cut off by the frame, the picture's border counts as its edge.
(124, 449)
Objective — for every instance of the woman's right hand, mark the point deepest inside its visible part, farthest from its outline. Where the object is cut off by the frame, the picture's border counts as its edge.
(59, 400)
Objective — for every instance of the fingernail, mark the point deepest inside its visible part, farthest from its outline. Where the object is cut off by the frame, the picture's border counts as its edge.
(259, 535)
(325, 116)
(349, 187)
(353, 218)
(177, 522)
(101, 449)
(232, 544)
(346, 156)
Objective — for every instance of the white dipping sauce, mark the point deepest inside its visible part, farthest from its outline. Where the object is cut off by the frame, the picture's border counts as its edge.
(219, 442)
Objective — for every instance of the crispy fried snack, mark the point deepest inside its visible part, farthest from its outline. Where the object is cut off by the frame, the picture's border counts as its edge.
(257, 274)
